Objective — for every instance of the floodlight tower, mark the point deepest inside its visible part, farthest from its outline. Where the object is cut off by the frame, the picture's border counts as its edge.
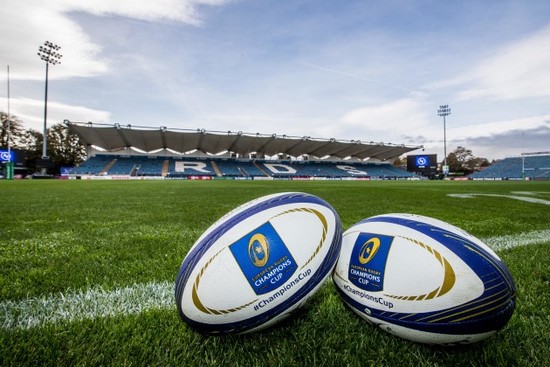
(9, 165)
(444, 110)
(49, 54)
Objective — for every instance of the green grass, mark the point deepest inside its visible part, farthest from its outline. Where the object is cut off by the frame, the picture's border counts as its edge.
(63, 237)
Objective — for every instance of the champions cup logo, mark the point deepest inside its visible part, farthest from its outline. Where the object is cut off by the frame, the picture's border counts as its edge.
(258, 250)
(368, 261)
(368, 250)
(264, 259)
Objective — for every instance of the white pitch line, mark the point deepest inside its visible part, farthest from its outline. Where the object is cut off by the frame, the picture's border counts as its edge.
(505, 242)
(89, 304)
(528, 199)
(97, 302)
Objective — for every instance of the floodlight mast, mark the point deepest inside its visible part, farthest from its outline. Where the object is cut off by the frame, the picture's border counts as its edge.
(9, 116)
(444, 110)
(9, 164)
(49, 54)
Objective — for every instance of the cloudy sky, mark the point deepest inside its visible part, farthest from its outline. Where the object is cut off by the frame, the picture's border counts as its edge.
(354, 69)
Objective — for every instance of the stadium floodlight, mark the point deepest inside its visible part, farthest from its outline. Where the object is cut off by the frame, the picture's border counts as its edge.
(48, 53)
(444, 110)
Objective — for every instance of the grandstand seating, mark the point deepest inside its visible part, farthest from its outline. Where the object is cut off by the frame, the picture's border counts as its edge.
(182, 167)
(332, 169)
(123, 166)
(238, 168)
(150, 166)
(533, 167)
(94, 165)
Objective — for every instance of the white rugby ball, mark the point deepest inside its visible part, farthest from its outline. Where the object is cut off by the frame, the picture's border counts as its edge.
(258, 263)
(424, 280)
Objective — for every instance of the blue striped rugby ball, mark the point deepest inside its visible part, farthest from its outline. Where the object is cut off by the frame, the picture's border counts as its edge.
(424, 280)
(258, 263)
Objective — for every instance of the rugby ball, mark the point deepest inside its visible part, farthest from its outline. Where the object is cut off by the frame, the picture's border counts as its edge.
(258, 263)
(424, 280)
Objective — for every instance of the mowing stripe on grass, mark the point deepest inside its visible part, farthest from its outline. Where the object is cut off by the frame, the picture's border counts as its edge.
(97, 302)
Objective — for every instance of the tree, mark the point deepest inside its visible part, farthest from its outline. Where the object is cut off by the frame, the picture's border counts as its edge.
(463, 156)
(32, 143)
(16, 130)
(462, 160)
(65, 147)
(453, 163)
(475, 164)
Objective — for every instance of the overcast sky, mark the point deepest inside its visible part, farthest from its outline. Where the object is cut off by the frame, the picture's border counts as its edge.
(354, 69)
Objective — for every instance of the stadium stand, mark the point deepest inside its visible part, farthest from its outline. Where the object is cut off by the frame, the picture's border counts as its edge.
(534, 167)
(182, 167)
(132, 151)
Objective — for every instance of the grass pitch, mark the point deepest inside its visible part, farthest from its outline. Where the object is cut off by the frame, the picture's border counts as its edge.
(87, 271)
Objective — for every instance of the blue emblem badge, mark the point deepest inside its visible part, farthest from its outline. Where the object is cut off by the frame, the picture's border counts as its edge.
(368, 261)
(264, 259)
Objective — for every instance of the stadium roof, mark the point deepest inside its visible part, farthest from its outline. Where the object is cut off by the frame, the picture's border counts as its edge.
(116, 137)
